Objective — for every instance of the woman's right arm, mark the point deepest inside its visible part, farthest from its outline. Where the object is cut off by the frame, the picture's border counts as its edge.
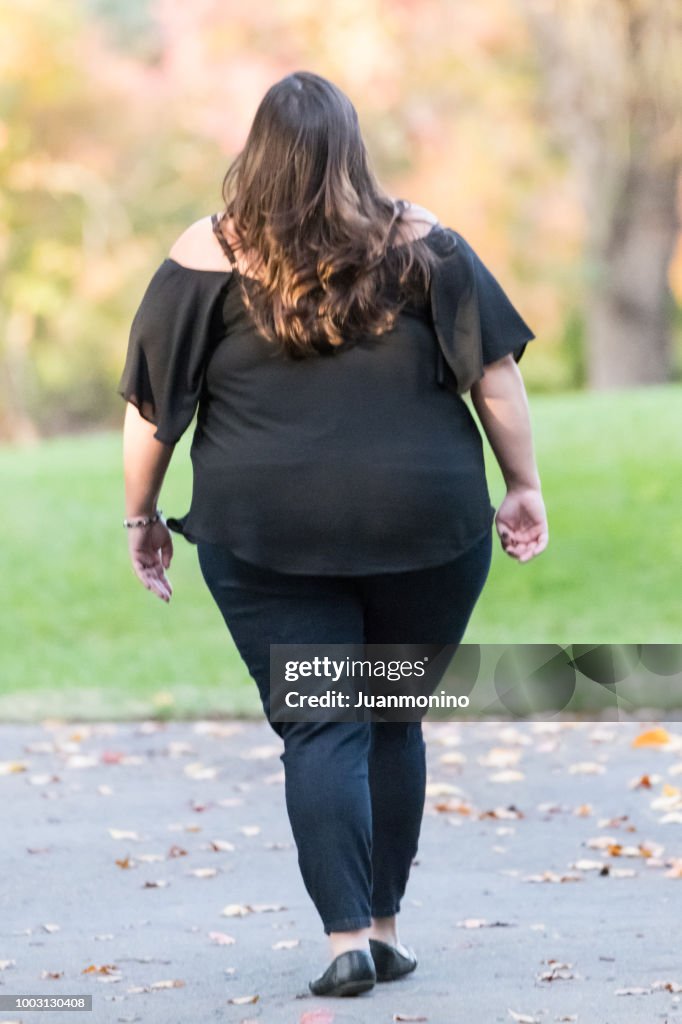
(501, 404)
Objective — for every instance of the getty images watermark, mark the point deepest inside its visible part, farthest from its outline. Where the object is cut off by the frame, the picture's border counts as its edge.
(409, 682)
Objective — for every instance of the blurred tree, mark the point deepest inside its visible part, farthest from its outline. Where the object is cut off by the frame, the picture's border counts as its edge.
(118, 118)
(613, 77)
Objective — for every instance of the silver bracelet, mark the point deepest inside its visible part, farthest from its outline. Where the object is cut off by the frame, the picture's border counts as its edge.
(143, 520)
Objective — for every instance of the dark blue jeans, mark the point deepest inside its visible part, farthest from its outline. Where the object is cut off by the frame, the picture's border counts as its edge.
(354, 791)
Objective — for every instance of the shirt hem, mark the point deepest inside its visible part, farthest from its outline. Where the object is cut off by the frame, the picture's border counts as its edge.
(365, 569)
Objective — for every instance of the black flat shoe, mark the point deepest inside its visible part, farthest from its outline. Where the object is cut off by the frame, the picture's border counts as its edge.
(389, 962)
(348, 974)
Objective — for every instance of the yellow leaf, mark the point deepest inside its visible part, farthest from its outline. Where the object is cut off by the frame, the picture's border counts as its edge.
(657, 737)
(100, 969)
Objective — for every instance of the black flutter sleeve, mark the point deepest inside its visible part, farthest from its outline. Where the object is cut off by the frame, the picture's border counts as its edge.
(474, 319)
(171, 335)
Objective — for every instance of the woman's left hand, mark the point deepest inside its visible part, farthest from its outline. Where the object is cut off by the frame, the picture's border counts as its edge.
(151, 551)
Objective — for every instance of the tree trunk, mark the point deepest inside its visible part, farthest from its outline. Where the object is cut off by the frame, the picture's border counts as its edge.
(16, 424)
(629, 301)
(612, 97)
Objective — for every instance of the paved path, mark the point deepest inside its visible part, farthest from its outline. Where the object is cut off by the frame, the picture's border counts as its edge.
(506, 803)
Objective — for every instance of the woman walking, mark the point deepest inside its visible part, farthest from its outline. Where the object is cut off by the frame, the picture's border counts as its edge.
(324, 333)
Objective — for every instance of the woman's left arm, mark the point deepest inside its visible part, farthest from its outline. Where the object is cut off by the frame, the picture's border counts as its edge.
(145, 461)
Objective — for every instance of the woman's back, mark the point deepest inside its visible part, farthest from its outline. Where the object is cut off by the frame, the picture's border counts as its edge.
(353, 460)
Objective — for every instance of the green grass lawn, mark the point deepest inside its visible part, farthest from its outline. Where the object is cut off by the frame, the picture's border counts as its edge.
(80, 636)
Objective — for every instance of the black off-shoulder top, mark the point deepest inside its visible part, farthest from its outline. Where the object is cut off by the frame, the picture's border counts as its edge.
(365, 460)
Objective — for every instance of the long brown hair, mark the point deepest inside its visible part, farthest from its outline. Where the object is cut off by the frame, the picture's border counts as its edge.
(302, 196)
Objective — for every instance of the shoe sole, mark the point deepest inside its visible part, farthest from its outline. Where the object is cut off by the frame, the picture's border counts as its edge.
(351, 988)
(394, 976)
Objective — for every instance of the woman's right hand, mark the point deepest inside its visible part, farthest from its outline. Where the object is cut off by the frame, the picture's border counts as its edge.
(151, 550)
(521, 523)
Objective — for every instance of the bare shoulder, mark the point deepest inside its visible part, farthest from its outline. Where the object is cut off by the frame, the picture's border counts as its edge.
(197, 247)
(418, 221)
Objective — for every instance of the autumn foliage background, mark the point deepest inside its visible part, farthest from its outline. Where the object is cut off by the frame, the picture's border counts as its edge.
(548, 132)
(118, 120)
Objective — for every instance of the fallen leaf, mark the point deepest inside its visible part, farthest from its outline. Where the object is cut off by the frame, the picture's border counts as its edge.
(242, 909)
(101, 969)
(111, 756)
(172, 983)
(235, 910)
(221, 846)
(602, 843)
(657, 737)
(523, 1018)
(221, 939)
(243, 1000)
(500, 757)
(552, 876)
(617, 822)
(502, 813)
(286, 944)
(453, 757)
(159, 883)
(261, 753)
(586, 768)
(588, 865)
(42, 780)
(118, 833)
(557, 972)
(196, 770)
(219, 730)
(442, 789)
(508, 775)
(480, 922)
(409, 1017)
(317, 1017)
(81, 761)
(452, 807)
(50, 928)
(667, 986)
(203, 872)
